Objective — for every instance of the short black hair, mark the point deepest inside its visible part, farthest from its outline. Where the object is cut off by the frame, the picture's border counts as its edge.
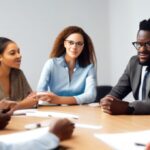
(145, 25)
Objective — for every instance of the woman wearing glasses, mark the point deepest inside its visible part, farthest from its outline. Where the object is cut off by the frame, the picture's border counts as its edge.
(69, 76)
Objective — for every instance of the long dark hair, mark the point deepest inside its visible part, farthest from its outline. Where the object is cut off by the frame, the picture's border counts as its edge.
(3, 43)
(88, 54)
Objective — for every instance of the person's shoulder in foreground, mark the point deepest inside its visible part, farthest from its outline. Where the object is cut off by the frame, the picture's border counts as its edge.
(133, 79)
(59, 130)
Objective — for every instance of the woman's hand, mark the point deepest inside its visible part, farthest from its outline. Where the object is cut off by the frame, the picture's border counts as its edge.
(6, 105)
(46, 96)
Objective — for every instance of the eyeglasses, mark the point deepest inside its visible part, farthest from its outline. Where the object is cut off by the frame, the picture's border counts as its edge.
(138, 45)
(78, 44)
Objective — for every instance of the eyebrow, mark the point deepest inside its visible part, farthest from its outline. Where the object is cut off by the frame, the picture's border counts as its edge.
(18, 49)
(74, 41)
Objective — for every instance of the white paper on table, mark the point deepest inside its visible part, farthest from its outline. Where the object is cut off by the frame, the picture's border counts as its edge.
(126, 141)
(23, 136)
(37, 113)
(24, 111)
(48, 123)
(94, 105)
(88, 126)
(45, 103)
(52, 114)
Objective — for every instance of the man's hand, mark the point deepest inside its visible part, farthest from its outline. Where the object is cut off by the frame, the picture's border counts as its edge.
(113, 105)
(4, 119)
(63, 128)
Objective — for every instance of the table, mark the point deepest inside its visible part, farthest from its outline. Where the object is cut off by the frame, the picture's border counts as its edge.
(83, 138)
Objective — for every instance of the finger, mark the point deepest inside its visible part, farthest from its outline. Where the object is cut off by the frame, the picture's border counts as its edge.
(44, 98)
(107, 111)
(106, 107)
(112, 97)
(106, 103)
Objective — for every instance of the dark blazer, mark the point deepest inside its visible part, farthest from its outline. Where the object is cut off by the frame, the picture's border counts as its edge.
(130, 81)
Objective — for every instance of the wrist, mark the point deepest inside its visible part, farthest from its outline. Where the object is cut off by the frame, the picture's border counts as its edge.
(130, 109)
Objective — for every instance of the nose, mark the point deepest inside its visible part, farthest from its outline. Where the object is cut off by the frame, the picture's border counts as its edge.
(19, 55)
(142, 48)
(74, 45)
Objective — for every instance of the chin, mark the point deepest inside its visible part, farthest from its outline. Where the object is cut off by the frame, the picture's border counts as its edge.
(16, 67)
(74, 56)
(144, 62)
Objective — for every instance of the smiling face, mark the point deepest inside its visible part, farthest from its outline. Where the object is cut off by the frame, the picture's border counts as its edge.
(74, 44)
(143, 39)
(11, 57)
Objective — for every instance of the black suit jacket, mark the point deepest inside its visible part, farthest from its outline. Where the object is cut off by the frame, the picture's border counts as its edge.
(130, 81)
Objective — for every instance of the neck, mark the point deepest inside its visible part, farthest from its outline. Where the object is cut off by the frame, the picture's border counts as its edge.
(4, 71)
(70, 62)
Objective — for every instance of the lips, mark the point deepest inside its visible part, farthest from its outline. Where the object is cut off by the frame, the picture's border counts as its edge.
(18, 61)
(144, 57)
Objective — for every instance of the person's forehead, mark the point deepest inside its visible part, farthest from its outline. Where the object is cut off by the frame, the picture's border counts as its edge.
(143, 35)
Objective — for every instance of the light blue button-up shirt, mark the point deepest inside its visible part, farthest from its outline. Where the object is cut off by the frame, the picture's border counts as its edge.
(40, 141)
(55, 78)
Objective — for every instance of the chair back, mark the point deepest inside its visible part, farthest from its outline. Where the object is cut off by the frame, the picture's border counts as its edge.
(102, 90)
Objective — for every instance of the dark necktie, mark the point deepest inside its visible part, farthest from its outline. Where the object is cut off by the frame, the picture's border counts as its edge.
(146, 84)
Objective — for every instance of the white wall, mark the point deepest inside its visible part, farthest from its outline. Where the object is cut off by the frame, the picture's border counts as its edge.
(34, 25)
(124, 18)
(112, 25)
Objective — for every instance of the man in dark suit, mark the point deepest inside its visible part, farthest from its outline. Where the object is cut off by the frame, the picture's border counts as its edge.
(133, 79)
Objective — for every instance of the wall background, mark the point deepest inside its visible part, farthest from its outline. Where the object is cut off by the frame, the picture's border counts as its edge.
(112, 25)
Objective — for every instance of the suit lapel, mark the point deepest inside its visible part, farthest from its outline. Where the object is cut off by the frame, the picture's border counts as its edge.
(137, 79)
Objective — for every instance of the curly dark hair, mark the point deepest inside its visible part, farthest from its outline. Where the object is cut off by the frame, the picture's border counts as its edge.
(145, 25)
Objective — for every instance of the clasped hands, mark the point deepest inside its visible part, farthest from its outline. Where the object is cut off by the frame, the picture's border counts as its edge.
(44, 96)
(113, 105)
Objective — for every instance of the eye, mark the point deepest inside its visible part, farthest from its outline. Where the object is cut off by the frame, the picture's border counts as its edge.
(148, 44)
(12, 52)
(79, 43)
(71, 42)
(138, 44)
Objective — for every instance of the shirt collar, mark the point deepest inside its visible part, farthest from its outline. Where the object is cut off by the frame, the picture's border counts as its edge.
(61, 61)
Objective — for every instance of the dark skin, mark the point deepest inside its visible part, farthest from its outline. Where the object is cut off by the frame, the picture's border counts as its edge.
(143, 52)
(114, 106)
(62, 128)
(4, 119)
